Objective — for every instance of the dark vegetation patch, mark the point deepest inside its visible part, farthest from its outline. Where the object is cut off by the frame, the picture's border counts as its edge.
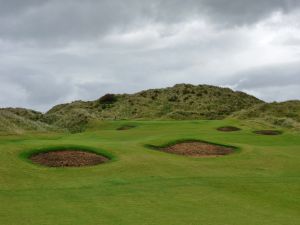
(126, 127)
(268, 132)
(68, 158)
(173, 98)
(196, 149)
(108, 99)
(228, 129)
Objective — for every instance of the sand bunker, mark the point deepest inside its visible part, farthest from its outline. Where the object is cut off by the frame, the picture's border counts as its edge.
(68, 158)
(228, 129)
(268, 132)
(198, 149)
(126, 127)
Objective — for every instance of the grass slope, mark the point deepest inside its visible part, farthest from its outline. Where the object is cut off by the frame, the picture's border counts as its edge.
(283, 114)
(257, 185)
(18, 120)
(74, 116)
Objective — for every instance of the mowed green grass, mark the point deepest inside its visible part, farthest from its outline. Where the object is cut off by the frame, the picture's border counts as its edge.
(258, 185)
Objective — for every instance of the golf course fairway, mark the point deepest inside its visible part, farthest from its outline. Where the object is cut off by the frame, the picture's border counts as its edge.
(258, 184)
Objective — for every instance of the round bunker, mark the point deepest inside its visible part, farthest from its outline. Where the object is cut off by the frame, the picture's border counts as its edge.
(198, 149)
(228, 129)
(268, 132)
(126, 127)
(68, 158)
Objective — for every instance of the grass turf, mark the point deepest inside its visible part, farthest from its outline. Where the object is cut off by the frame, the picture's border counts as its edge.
(260, 184)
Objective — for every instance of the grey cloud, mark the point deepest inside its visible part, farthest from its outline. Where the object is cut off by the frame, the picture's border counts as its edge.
(32, 89)
(280, 82)
(292, 41)
(245, 12)
(56, 51)
(64, 21)
(268, 76)
(68, 20)
(15, 6)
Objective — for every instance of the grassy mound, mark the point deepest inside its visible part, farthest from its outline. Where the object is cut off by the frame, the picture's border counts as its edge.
(17, 121)
(181, 102)
(283, 114)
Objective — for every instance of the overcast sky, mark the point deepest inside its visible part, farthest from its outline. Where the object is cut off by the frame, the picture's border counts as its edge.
(55, 51)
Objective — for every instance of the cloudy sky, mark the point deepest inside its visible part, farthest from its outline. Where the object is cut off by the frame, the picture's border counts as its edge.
(54, 51)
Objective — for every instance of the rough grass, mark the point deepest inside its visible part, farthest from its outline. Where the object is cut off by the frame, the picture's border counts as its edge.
(181, 102)
(283, 114)
(258, 185)
(21, 120)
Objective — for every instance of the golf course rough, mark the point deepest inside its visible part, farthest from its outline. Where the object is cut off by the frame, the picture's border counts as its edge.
(258, 185)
